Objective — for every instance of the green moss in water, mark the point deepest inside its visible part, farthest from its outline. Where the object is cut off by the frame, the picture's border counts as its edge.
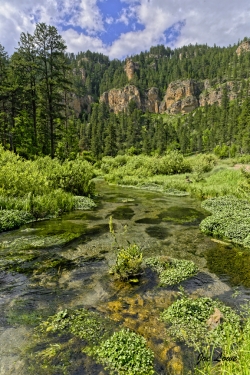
(157, 232)
(87, 325)
(36, 242)
(30, 318)
(34, 262)
(123, 213)
(232, 262)
(181, 215)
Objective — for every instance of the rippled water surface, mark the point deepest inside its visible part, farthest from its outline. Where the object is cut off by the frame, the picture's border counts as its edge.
(63, 263)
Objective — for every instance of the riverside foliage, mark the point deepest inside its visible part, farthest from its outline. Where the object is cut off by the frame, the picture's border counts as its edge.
(42, 187)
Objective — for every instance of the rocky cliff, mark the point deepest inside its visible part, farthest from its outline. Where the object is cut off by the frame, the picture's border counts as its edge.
(81, 104)
(214, 95)
(118, 99)
(243, 47)
(130, 68)
(181, 97)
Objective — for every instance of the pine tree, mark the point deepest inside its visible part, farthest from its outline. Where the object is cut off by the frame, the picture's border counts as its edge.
(50, 48)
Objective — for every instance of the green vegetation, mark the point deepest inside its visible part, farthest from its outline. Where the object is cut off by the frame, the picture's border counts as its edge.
(230, 219)
(233, 359)
(38, 118)
(121, 167)
(128, 264)
(124, 353)
(204, 176)
(172, 271)
(82, 323)
(41, 188)
(12, 219)
(188, 321)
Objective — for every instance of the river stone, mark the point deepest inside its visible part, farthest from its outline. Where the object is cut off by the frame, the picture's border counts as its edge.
(12, 340)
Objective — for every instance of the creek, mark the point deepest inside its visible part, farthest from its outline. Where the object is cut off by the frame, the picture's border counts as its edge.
(63, 263)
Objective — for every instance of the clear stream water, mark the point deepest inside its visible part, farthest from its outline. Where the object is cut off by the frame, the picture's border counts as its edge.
(62, 263)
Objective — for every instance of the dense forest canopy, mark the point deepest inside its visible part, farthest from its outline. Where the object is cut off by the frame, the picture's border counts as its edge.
(41, 85)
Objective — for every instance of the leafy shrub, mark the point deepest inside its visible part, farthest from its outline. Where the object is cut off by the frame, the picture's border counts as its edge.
(20, 177)
(54, 203)
(203, 164)
(188, 317)
(145, 166)
(172, 271)
(13, 219)
(128, 263)
(83, 203)
(44, 186)
(244, 159)
(125, 353)
(230, 219)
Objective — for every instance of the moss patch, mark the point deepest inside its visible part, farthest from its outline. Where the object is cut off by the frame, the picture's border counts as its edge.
(172, 271)
(232, 262)
(181, 215)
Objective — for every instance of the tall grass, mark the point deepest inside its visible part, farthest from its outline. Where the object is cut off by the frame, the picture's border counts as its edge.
(42, 187)
(205, 178)
(235, 359)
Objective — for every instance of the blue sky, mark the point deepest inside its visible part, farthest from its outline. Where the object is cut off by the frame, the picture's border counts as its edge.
(119, 28)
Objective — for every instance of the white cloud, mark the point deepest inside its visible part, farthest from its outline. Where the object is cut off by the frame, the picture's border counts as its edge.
(206, 21)
(88, 17)
(79, 42)
(109, 20)
(20, 16)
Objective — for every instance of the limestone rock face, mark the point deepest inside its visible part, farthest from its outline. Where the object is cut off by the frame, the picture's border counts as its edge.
(214, 96)
(181, 97)
(118, 99)
(82, 103)
(243, 47)
(152, 101)
(130, 68)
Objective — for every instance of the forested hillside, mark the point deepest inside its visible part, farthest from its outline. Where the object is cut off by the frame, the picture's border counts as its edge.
(193, 99)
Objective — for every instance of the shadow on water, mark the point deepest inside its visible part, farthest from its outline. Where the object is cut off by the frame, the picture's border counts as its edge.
(122, 213)
(158, 232)
(182, 215)
(234, 263)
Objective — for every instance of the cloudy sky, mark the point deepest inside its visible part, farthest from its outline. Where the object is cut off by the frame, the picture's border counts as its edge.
(119, 28)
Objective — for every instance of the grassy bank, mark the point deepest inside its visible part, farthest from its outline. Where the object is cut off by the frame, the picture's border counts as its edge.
(201, 176)
(31, 190)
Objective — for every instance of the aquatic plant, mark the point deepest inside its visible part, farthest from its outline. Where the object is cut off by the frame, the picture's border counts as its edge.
(172, 271)
(83, 203)
(82, 323)
(230, 219)
(124, 353)
(188, 321)
(128, 263)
